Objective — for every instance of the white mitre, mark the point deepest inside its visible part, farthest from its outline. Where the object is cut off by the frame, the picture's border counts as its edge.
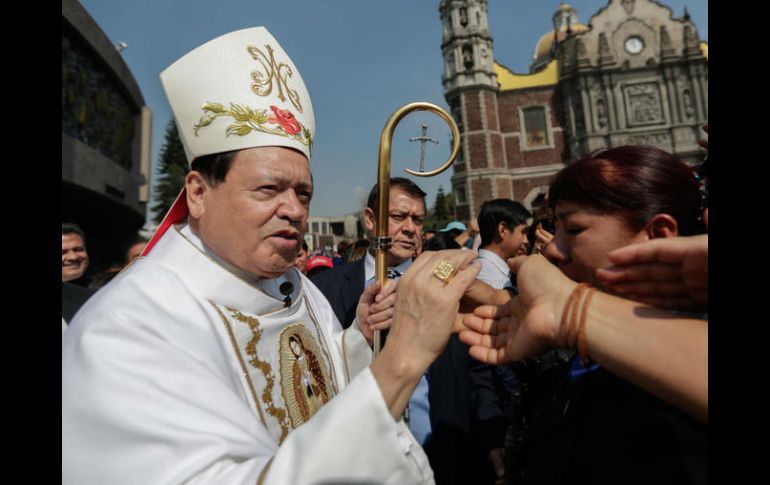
(240, 90)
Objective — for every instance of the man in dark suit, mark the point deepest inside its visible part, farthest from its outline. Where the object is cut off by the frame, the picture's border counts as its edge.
(439, 410)
(72, 298)
(344, 284)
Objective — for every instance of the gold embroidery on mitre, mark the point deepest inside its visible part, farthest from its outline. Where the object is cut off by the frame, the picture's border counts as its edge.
(267, 394)
(304, 378)
(248, 120)
(280, 72)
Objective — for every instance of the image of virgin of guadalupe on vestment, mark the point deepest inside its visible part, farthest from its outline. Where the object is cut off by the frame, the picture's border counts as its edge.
(303, 379)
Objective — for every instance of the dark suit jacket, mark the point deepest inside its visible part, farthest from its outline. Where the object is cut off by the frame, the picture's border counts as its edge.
(72, 298)
(455, 448)
(342, 286)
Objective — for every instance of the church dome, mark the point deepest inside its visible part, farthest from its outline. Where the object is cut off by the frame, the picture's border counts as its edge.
(543, 47)
(565, 23)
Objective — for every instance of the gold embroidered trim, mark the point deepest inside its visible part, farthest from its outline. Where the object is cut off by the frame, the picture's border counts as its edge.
(261, 478)
(267, 394)
(345, 353)
(248, 120)
(263, 81)
(325, 345)
(243, 364)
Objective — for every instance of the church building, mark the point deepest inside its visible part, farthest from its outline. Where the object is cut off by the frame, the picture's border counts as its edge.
(634, 75)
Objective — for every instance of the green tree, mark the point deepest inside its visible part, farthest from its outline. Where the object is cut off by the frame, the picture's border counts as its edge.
(171, 172)
(449, 201)
(442, 211)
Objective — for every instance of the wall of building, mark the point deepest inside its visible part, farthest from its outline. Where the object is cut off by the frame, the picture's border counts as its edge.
(106, 133)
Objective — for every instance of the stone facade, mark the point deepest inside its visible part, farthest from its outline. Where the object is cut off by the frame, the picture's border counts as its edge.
(634, 75)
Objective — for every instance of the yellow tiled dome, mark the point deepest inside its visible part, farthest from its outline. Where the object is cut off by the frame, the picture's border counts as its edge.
(543, 47)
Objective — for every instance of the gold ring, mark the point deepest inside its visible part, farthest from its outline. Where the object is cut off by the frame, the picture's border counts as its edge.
(444, 270)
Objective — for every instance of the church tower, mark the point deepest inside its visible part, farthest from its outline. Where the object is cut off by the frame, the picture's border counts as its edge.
(471, 88)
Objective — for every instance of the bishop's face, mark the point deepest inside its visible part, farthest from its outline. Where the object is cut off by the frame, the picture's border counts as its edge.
(256, 217)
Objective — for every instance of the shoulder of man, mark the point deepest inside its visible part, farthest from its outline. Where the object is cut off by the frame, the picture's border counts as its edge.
(332, 276)
(76, 291)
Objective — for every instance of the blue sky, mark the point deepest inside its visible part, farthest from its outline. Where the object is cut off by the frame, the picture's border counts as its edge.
(360, 60)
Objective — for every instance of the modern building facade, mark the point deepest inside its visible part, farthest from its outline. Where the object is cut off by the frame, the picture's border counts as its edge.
(634, 75)
(327, 232)
(106, 133)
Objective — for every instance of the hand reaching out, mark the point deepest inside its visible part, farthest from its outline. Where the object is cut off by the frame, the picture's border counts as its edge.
(669, 273)
(528, 324)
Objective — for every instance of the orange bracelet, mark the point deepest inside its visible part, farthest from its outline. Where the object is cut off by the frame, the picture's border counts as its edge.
(569, 313)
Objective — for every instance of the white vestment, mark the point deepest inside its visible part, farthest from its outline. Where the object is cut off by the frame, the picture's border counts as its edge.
(180, 370)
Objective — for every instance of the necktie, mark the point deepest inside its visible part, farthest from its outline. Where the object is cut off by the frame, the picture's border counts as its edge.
(393, 274)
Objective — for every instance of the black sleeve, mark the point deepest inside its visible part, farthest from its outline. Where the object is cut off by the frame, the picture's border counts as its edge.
(491, 419)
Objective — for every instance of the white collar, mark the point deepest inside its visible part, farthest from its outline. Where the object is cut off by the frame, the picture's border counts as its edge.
(207, 277)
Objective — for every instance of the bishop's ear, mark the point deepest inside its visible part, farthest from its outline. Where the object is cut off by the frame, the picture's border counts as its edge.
(197, 189)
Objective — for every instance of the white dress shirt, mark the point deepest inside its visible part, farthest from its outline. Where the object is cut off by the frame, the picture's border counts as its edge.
(494, 271)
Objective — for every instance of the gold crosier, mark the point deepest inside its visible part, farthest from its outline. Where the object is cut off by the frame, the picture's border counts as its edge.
(382, 242)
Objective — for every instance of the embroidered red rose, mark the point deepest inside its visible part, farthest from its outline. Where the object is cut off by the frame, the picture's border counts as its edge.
(286, 119)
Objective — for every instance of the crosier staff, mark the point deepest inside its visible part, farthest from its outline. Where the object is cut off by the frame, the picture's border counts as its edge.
(381, 241)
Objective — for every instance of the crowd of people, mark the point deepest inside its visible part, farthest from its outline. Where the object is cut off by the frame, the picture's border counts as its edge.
(568, 344)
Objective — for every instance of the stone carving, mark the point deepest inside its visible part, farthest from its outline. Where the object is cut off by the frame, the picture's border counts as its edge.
(691, 47)
(628, 5)
(689, 108)
(643, 104)
(605, 54)
(659, 139)
(601, 113)
(484, 53)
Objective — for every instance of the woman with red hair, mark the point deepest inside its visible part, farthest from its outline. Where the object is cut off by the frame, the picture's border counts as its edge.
(594, 426)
